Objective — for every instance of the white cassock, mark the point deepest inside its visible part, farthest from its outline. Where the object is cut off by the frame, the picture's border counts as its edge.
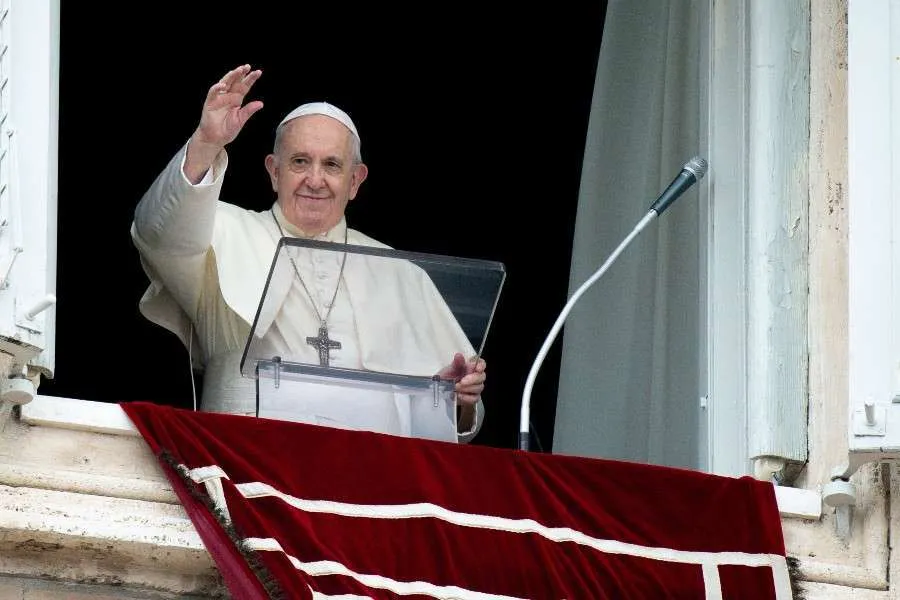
(208, 261)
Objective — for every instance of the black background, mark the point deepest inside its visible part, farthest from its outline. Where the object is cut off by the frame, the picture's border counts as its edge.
(473, 126)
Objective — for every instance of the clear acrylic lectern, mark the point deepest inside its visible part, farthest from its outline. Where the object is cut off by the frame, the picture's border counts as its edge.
(392, 321)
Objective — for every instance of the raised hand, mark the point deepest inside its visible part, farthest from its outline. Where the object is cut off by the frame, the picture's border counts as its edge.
(224, 111)
(224, 115)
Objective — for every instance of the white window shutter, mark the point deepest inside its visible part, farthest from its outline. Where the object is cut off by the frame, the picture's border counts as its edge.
(29, 60)
(873, 233)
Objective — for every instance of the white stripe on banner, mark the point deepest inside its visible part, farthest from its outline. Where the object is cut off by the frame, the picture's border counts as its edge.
(782, 579)
(203, 474)
(709, 561)
(320, 596)
(327, 567)
(711, 582)
(556, 534)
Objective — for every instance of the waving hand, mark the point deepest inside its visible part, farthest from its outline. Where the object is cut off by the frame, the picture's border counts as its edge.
(224, 115)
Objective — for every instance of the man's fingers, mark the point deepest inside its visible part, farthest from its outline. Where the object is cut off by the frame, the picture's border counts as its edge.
(234, 75)
(471, 385)
(249, 109)
(471, 380)
(468, 394)
(237, 81)
(215, 91)
(248, 80)
(479, 365)
(219, 98)
(242, 86)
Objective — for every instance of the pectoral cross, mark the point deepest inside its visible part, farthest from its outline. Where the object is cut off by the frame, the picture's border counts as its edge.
(323, 344)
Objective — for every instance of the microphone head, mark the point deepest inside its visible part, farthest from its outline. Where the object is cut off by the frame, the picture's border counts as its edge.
(697, 166)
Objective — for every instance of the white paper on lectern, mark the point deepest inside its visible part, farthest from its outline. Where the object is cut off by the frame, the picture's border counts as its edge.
(351, 407)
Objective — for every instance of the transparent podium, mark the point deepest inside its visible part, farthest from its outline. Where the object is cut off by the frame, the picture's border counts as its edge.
(359, 337)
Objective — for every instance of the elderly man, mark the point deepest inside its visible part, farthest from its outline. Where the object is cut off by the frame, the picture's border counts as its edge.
(207, 262)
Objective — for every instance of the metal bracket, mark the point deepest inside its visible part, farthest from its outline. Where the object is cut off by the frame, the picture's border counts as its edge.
(436, 390)
(870, 420)
(31, 316)
(276, 360)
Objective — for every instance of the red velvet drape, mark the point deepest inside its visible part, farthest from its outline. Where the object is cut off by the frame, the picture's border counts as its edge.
(348, 512)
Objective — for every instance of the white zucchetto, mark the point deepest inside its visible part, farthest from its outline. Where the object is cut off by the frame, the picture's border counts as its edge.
(322, 108)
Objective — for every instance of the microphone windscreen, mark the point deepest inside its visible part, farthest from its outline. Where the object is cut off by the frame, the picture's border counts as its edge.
(697, 166)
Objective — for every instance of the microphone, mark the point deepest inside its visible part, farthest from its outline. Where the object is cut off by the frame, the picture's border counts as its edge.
(692, 172)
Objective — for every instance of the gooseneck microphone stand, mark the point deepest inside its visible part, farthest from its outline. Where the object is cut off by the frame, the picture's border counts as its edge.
(692, 172)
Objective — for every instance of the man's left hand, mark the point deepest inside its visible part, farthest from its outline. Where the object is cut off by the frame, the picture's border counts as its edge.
(469, 376)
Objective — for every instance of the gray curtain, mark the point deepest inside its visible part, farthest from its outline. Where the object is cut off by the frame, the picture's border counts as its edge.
(631, 369)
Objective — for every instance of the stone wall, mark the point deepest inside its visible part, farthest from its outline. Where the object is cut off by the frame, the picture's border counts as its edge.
(82, 499)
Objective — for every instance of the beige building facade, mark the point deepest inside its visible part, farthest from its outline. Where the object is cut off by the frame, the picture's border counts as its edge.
(85, 511)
